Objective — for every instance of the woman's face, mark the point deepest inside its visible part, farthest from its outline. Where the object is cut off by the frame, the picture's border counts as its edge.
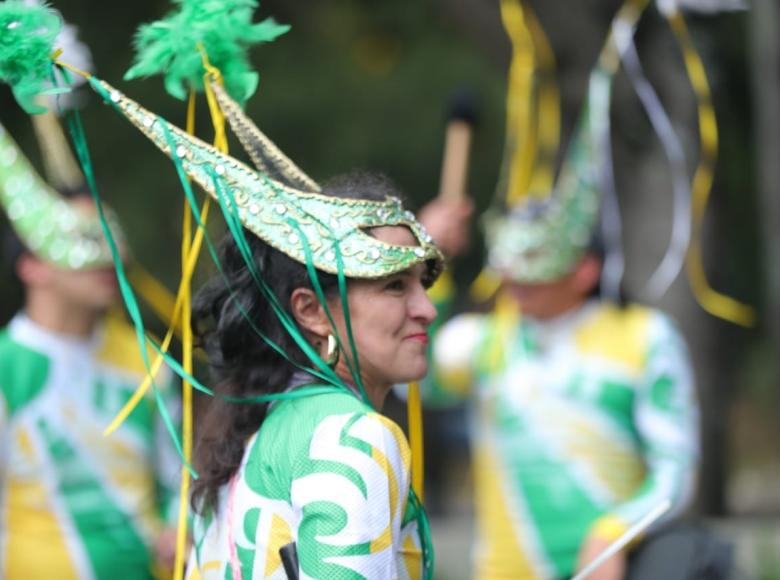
(390, 319)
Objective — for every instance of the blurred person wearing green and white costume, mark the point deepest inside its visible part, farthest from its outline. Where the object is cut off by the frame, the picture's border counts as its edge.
(73, 503)
(89, 503)
(584, 416)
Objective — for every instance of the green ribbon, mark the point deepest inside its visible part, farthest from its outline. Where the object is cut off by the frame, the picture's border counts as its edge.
(424, 533)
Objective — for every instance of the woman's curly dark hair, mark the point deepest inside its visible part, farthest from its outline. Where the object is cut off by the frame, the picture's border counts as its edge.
(242, 364)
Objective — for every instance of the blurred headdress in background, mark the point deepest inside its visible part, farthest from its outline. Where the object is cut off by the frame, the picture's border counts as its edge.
(43, 218)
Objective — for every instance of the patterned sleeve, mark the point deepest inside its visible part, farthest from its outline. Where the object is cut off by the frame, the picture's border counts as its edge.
(350, 494)
(666, 418)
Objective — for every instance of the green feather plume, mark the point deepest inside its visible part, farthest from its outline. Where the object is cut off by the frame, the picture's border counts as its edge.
(223, 27)
(27, 35)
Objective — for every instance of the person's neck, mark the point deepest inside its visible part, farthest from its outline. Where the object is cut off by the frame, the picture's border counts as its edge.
(60, 317)
(563, 311)
(376, 393)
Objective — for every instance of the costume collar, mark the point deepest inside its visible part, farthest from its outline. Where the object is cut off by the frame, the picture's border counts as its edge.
(28, 332)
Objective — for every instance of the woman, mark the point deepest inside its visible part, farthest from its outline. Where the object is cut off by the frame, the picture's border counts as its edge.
(324, 473)
(319, 308)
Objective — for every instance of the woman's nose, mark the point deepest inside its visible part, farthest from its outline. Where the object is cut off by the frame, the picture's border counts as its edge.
(422, 308)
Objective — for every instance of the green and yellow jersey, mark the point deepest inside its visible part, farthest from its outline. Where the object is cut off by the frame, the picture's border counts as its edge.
(330, 475)
(580, 425)
(73, 503)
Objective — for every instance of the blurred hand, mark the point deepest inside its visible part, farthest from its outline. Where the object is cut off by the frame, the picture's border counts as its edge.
(448, 221)
(612, 569)
(165, 548)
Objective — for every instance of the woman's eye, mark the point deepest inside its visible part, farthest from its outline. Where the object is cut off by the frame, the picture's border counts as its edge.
(395, 285)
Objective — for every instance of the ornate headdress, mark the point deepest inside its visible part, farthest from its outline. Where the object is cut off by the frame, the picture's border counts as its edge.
(538, 236)
(48, 224)
(532, 239)
(540, 239)
(302, 223)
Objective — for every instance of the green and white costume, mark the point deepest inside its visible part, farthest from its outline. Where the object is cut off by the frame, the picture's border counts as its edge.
(582, 424)
(75, 504)
(327, 473)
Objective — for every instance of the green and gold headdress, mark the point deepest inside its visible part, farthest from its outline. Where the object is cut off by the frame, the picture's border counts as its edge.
(542, 238)
(535, 236)
(51, 227)
(297, 222)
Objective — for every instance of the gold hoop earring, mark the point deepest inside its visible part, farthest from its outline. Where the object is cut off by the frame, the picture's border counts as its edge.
(332, 353)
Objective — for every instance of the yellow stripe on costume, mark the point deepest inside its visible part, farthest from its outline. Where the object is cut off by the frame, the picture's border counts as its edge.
(280, 535)
(385, 540)
(193, 573)
(120, 346)
(618, 334)
(31, 524)
(505, 555)
(25, 445)
(412, 557)
(617, 468)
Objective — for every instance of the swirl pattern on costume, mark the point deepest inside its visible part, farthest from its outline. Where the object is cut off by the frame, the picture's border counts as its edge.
(331, 476)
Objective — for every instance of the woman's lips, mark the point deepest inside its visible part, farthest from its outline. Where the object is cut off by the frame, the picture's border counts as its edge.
(419, 337)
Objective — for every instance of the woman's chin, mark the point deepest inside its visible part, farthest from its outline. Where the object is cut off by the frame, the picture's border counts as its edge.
(416, 371)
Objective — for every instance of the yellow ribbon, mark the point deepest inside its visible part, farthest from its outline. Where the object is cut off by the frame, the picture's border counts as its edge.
(712, 301)
(158, 361)
(520, 130)
(548, 120)
(188, 252)
(186, 390)
(55, 57)
(533, 115)
(414, 415)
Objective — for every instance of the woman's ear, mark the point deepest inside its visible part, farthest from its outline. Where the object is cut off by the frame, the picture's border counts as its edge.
(309, 313)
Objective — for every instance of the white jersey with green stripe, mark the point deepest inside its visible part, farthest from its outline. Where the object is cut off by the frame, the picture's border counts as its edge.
(75, 504)
(328, 474)
(580, 425)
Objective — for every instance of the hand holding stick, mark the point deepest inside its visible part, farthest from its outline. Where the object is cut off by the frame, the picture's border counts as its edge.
(623, 540)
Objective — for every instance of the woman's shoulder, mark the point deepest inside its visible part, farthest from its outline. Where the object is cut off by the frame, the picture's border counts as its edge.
(316, 406)
(297, 419)
(306, 426)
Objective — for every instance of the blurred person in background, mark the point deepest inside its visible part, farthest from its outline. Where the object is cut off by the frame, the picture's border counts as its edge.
(74, 504)
(584, 416)
(584, 420)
